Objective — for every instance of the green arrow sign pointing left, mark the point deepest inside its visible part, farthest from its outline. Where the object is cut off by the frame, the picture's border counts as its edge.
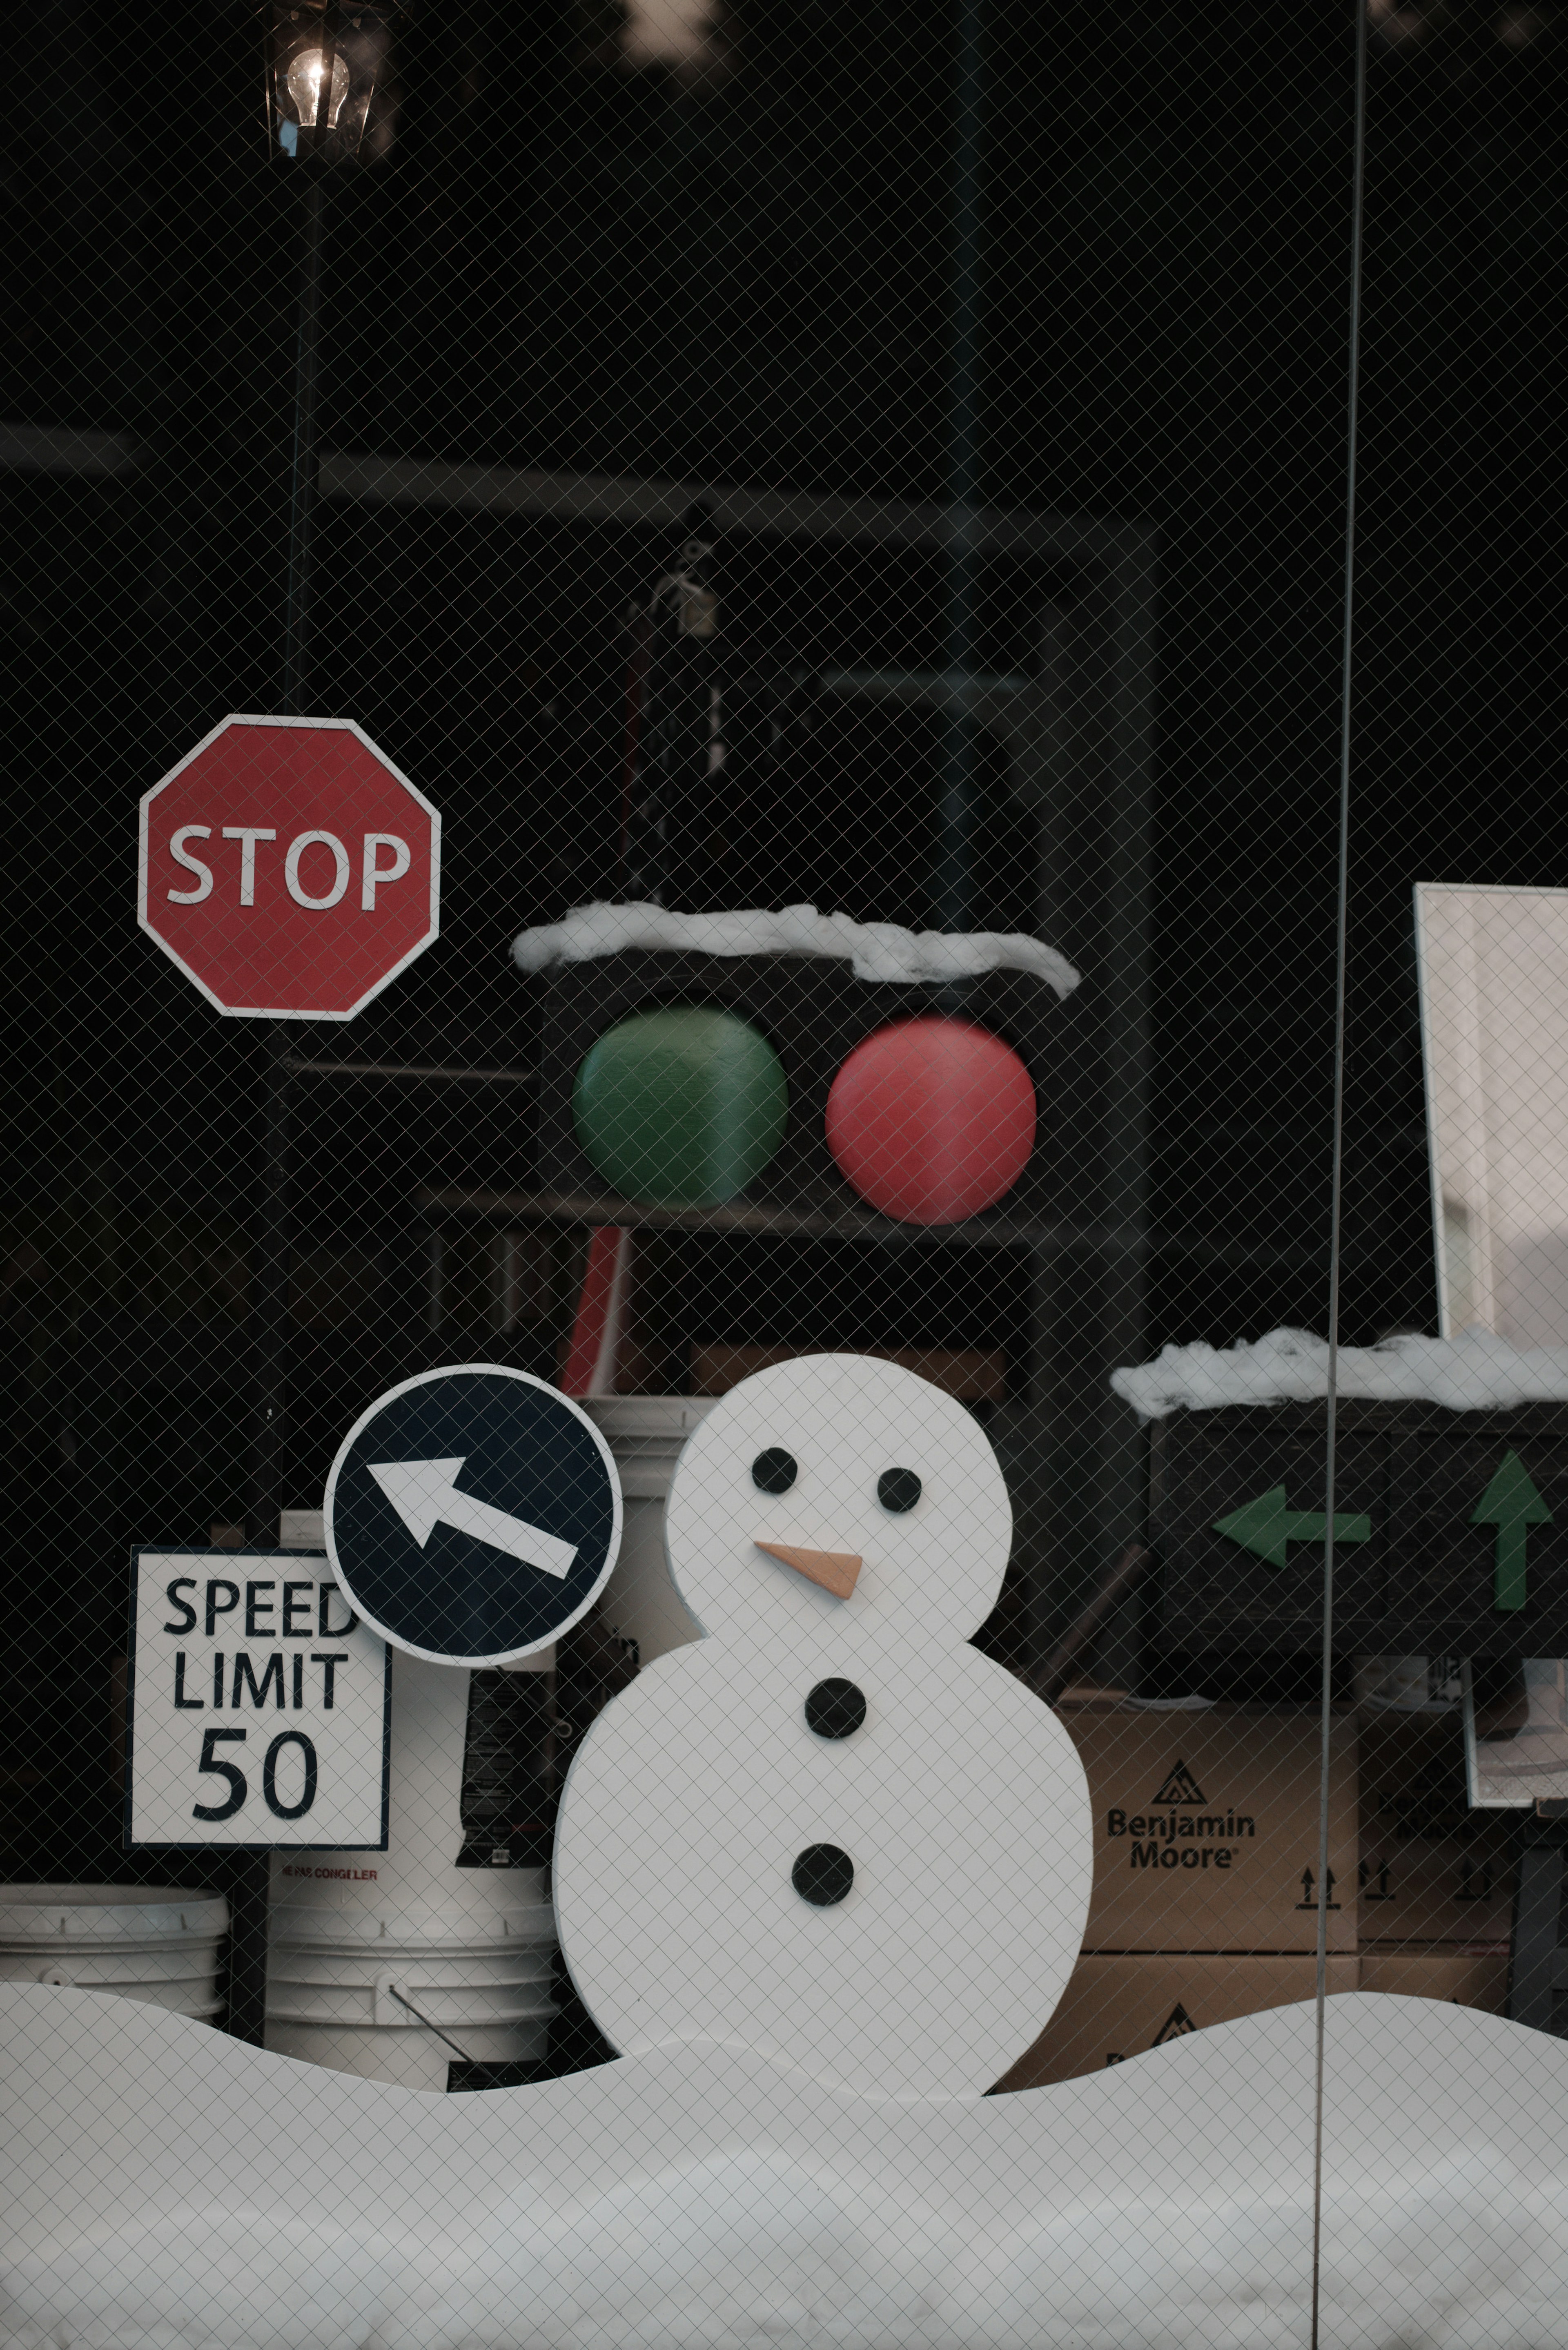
(1512, 1505)
(1266, 1526)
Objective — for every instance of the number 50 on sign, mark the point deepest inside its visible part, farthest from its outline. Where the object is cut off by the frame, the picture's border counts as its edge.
(259, 1705)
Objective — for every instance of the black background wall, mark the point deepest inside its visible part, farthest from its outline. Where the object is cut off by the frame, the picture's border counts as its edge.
(748, 274)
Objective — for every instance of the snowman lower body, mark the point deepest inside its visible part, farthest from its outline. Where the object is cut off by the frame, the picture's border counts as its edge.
(893, 1908)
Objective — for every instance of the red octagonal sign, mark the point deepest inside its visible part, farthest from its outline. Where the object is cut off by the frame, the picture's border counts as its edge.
(288, 869)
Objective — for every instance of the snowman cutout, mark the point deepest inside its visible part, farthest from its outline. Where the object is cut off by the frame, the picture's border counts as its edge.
(830, 1832)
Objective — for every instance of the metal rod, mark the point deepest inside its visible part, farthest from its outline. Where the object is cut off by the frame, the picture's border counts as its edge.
(427, 1074)
(952, 892)
(271, 1241)
(250, 1895)
(1129, 1242)
(302, 477)
(623, 500)
(1124, 1577)
(250, 1891)
(1122, 1286)
(272, 1298)
(638, 661)
(1336, 1186)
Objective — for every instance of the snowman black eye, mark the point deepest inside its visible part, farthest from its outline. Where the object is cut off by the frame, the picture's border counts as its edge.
(898, 1490)
(774, 1471)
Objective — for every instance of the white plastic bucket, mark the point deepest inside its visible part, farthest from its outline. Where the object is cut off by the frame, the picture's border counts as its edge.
(153, 1944)
(645, 1434)
(334, 1979)
(349, 1928)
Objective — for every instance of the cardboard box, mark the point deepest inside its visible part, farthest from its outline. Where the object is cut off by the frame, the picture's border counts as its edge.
(1445, 1893)
(1206, 1829)
(1477, 1977)
(1431, 1869)
(1117, 2006)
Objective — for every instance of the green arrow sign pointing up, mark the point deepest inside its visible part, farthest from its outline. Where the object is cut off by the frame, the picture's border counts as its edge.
(1512, 1505)
(1266, 1526)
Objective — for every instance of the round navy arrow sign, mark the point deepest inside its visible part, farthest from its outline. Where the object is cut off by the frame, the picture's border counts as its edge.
(472, 1514)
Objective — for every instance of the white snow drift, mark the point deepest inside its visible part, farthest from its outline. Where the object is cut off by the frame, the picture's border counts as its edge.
(878, 951)
(751, 2249)
(165, 2188)
(1477, 1372)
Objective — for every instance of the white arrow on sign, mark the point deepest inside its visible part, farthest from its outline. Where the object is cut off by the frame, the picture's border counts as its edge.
(424, 1494)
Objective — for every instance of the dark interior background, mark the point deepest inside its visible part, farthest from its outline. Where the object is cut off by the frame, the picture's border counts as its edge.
(747, 274)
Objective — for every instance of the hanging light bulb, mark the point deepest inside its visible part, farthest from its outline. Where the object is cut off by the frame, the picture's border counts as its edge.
(327, 77)
(305, 75)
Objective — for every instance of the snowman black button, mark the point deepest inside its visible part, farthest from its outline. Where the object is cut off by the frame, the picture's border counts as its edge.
(822, 1875)
(834, 1708)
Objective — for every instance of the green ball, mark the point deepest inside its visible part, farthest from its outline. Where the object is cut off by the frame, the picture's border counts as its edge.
(681, 1109)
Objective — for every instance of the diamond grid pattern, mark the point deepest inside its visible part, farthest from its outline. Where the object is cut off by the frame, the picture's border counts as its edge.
(893, 462)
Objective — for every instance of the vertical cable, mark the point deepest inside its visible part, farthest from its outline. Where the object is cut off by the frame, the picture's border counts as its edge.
(302, 469)
(250, 1884)
(953, 890)
(1337, 1192)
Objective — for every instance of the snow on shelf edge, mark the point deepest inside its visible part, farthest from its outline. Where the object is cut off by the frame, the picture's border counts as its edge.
(1476, 1372)
(878, 951)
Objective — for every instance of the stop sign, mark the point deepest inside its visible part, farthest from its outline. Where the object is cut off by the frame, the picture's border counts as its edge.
(288, 869)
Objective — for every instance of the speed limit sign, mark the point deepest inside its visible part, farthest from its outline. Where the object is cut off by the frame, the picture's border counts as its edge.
(259, 1705)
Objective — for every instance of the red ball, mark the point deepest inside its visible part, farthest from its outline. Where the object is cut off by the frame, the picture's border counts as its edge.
(931, 1119)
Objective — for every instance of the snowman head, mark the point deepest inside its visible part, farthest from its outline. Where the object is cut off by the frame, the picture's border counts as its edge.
(838, 1494)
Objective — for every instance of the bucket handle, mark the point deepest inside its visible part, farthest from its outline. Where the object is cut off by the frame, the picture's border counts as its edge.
(388, 1990)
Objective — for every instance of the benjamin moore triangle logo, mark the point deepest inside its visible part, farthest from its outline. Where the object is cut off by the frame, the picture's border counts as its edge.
(1180, 1787)
(1176, 2024)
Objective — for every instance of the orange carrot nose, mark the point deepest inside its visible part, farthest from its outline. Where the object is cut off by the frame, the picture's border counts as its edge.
(834, 1570)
